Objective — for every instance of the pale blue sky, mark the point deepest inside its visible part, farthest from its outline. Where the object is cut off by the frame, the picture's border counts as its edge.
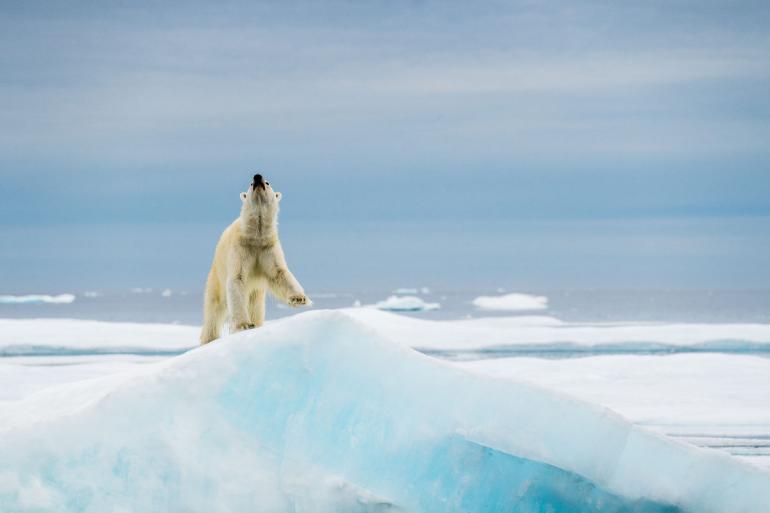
(651, 116)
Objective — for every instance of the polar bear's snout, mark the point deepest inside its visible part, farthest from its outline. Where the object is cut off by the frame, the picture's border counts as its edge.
(258, 182)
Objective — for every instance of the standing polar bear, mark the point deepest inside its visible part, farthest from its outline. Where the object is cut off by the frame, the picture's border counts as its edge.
(248, 261)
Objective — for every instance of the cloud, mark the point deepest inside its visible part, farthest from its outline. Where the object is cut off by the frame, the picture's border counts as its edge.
(139, 101)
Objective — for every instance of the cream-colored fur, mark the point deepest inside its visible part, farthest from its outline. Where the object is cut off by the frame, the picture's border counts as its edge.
(249, 261)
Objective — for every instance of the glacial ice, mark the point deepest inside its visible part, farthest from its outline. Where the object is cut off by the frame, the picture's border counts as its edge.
(317, 412)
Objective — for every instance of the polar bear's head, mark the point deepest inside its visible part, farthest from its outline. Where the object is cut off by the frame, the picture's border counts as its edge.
(260, 199)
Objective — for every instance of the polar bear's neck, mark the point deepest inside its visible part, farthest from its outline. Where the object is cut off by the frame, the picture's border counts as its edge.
(259, 226)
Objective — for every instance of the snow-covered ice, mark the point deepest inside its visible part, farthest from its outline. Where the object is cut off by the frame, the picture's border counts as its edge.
(690, 389)
(511, 302)
(542, 334)
(406, 304)
(22, 376)
(504, 335)
(37, 298)
(318, 412)
(41, 337)
(713, 400)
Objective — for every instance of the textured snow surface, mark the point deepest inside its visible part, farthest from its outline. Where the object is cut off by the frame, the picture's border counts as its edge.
(511, 302)
(317, 412)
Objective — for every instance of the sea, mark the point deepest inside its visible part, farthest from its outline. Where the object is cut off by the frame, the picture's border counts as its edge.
(185, 306)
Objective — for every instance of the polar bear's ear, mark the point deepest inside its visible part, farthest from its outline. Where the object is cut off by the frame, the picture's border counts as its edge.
(278, 196)
(243, 196)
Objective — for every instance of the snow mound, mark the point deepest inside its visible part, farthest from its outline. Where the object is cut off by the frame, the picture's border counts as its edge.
(37, 298)
(318, 413)
(511, 302)
(406, 304)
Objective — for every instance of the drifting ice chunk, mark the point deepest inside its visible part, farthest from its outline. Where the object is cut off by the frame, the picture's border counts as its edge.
(316, 413)
(37, 298)
(511, 302)
(414, 290)
(406, 304)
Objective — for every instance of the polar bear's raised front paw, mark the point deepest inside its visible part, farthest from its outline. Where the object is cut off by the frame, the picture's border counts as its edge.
(297, 301)
(242, 326)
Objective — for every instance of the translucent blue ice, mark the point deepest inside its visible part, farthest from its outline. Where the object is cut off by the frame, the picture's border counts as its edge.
(318, 413)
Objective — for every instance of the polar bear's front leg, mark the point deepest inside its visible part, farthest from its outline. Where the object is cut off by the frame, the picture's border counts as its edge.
(285, 286)
(257, 307)
(236, 304)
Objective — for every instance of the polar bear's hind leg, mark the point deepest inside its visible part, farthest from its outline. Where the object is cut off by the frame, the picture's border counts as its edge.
(213, 310)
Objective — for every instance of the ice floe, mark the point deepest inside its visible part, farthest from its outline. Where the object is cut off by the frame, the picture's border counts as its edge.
(406, 304)
(319, 413)
(511, 302)
(411, 291)
(542, 334)
(46, 337)
(37, 298)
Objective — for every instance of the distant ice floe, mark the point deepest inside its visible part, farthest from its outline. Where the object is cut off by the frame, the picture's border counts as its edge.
(406, 304)
(411, 290)
(140, 290)
(37, 299)
(92, 294)
(166, 293)
(511, 302)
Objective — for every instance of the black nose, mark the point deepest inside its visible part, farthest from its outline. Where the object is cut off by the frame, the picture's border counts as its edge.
(257, 180)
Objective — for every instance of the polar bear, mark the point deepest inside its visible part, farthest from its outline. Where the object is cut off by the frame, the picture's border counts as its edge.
(248, 261)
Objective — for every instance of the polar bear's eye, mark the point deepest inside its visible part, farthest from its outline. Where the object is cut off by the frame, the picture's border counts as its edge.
(267, 183)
